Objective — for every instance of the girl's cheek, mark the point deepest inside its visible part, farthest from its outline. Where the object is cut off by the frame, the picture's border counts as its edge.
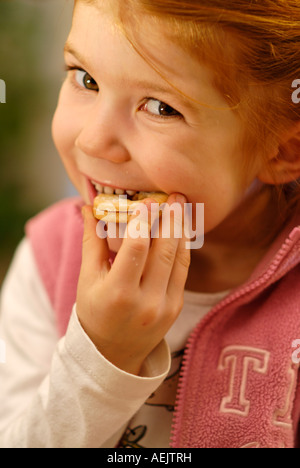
(64, 123)
(58, 130)
(64, 131)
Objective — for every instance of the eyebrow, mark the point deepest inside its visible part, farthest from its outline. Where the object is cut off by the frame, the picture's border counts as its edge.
(143, 84)
(69, 49)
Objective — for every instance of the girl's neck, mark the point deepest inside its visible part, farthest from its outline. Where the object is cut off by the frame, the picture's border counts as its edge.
(233, 249)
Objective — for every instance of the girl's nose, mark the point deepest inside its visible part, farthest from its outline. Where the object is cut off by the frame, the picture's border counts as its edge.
(102, 135)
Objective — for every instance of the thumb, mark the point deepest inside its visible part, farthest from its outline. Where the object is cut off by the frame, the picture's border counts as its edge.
(95, 251)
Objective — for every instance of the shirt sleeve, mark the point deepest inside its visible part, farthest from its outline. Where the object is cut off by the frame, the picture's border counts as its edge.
(61, 393)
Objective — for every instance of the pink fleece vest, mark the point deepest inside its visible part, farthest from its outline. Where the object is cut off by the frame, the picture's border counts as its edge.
(239, 385)
(56, 239)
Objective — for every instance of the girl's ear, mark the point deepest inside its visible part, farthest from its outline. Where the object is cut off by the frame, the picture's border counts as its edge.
(284, 165)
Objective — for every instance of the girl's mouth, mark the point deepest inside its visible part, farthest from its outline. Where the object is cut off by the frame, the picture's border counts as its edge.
(95, 188)
(111, 190)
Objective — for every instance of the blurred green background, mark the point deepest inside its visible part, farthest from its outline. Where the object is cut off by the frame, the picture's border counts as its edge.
(32, 35)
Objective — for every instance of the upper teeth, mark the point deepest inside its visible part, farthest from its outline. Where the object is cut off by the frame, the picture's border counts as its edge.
(111, 191)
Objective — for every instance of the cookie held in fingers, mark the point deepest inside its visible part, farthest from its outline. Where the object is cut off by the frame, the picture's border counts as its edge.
(119, 208)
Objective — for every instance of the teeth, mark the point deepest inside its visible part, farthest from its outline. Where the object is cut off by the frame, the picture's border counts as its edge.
(99, 188)
(112, 191)
(109, 190)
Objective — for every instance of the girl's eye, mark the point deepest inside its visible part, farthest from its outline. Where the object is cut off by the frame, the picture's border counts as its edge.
(85, 80)
(159, 108)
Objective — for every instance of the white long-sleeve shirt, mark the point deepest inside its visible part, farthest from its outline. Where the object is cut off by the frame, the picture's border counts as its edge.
(62, 392)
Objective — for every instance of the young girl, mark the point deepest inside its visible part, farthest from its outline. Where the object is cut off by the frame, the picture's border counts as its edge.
(192, 98)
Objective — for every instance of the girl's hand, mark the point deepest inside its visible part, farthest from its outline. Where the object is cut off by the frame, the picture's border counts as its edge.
(127, 308)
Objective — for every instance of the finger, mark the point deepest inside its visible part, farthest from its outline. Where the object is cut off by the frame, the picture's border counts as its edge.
(95, 251)
(164, 248)
(129, 264)
(179, 272)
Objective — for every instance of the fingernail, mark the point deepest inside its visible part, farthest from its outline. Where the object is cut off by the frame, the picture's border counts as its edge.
(180, 198)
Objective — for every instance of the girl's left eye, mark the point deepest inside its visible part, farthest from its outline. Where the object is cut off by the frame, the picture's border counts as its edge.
(85, 80)
(160, 109)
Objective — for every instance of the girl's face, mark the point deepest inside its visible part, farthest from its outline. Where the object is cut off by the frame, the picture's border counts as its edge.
(119, 123)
